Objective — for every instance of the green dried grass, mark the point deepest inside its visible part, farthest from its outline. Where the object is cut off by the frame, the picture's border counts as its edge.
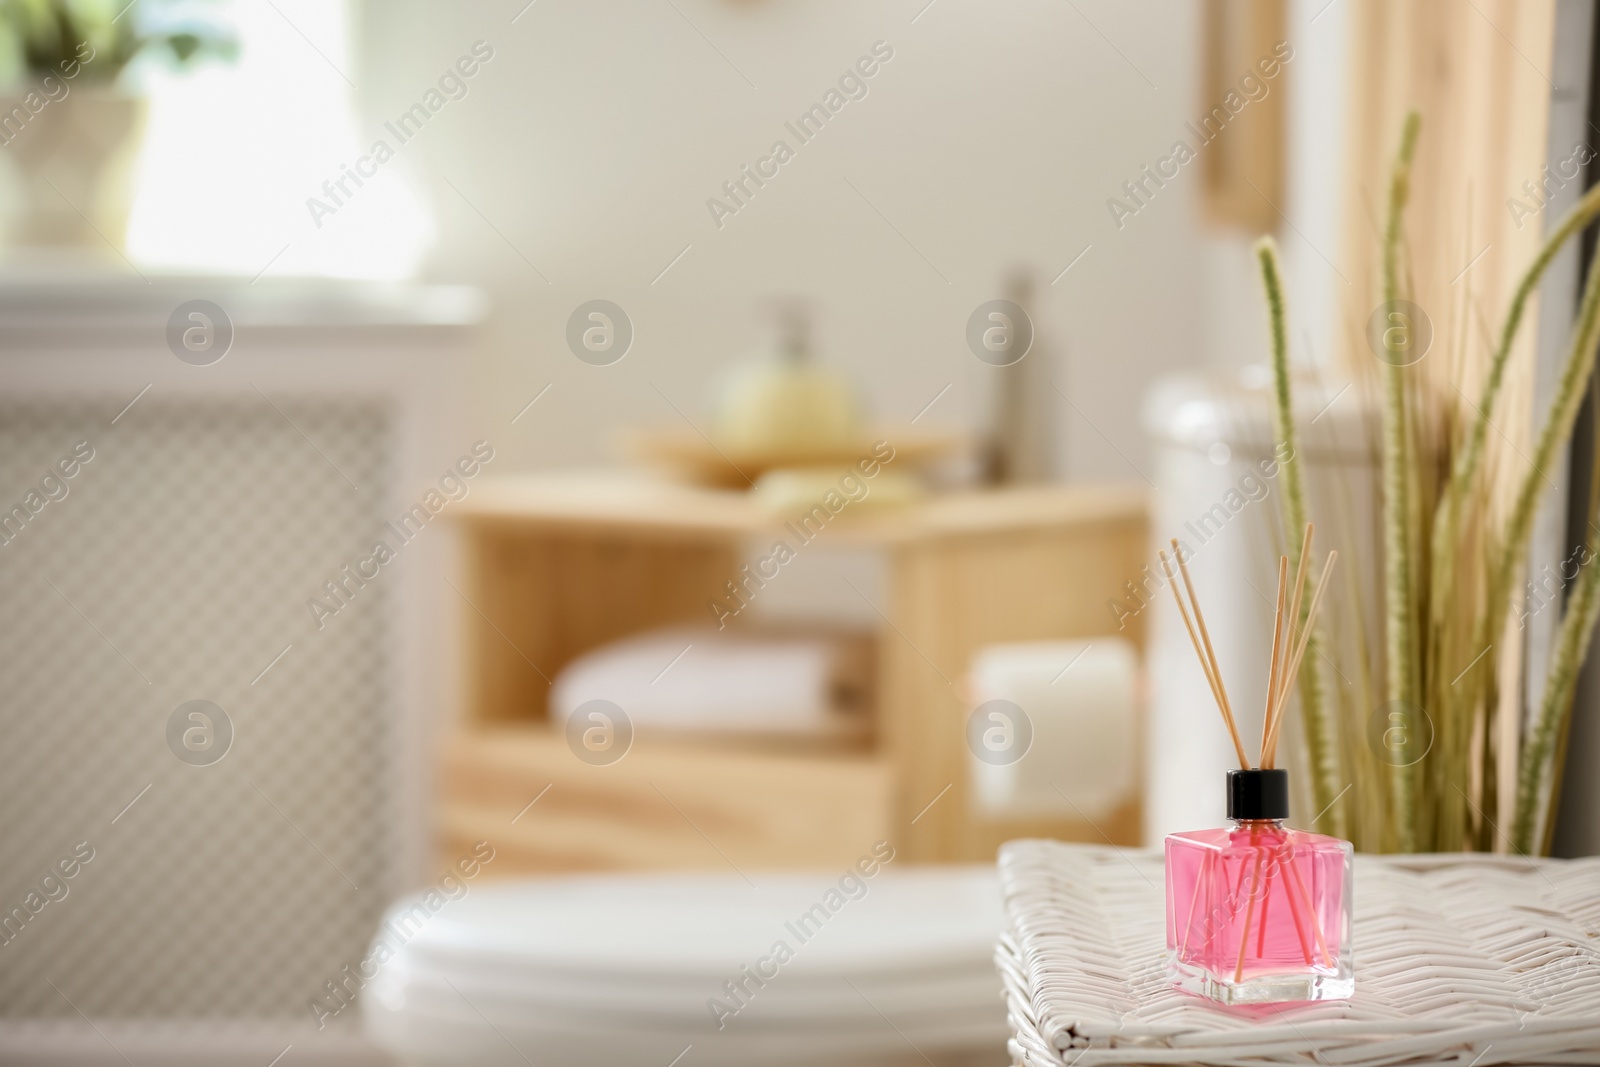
(1321, 737)
(1450, 570)
(1399, 476)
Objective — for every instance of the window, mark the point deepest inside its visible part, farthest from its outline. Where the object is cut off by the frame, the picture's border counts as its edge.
(233, 152)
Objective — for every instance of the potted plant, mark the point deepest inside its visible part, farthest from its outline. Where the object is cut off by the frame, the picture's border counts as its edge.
(1452, 577)
(67, 118)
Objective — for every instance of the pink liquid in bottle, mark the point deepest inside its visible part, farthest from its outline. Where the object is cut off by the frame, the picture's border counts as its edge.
(1259, 913)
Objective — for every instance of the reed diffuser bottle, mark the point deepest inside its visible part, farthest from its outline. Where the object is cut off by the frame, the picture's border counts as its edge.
(1257, 912)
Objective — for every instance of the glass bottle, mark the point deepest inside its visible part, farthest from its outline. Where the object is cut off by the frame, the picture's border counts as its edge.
(1257, 912)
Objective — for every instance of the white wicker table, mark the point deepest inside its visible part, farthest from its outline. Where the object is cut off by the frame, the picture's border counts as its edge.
(1459, 959)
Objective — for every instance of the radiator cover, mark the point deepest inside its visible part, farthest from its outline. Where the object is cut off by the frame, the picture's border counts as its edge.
(177, 566)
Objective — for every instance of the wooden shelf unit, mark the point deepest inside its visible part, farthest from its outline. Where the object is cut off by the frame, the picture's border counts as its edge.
(559, 565)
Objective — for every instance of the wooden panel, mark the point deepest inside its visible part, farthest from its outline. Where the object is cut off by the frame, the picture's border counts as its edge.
(539, 600)
(951, 597)
(1242, 169)
(662, 806)
(1479, 74)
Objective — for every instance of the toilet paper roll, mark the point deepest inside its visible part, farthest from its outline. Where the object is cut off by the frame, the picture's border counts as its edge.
(1068, 708)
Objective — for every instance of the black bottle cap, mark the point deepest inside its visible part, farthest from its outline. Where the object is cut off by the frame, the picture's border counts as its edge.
(1258, 794)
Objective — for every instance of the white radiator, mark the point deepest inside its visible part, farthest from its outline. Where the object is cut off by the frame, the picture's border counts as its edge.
(210, 898)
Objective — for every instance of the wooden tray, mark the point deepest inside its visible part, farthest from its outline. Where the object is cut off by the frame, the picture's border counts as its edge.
(686, 454)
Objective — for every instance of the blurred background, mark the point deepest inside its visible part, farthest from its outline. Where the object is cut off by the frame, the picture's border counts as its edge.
(628, 474)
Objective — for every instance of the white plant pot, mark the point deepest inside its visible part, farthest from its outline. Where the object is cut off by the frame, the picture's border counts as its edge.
(72, 160)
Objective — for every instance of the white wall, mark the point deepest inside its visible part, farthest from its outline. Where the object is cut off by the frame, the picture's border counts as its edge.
(994, 136)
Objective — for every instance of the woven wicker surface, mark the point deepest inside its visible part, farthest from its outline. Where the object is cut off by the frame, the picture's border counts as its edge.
(1459, 959)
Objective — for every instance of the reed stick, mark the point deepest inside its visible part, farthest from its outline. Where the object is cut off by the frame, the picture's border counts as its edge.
(1316, 921)
(1249, 910)
(1200, 619)
(1294, 912)
(1194, 900)
(1207, 657)
(1266, 899)
(1277, 644)
(1300, 651)
(1295, 604)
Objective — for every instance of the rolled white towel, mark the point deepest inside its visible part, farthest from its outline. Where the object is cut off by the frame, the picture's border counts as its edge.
(707, 680)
